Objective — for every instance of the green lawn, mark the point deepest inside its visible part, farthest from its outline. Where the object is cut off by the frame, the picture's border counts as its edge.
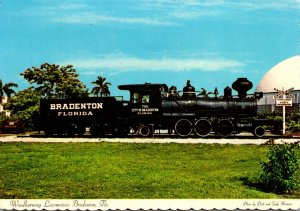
(121, 170)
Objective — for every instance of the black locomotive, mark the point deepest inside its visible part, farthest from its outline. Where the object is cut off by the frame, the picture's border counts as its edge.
(155, 107)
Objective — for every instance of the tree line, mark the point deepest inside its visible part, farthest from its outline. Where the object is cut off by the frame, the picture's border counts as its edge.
(46, 81)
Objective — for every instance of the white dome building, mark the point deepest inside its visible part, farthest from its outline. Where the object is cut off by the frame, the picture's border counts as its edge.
(284, 75)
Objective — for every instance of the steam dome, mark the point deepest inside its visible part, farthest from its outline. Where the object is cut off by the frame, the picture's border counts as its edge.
(285, 74)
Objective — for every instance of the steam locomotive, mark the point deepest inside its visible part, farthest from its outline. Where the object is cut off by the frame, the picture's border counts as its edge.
(155, 107)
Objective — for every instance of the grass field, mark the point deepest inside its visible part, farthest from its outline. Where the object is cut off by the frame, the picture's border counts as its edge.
(122, 170)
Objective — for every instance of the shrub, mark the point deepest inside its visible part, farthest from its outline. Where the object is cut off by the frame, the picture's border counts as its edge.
(280, 173)
(293, 126)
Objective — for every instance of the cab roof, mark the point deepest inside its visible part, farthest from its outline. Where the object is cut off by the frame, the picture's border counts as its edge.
(143, 87)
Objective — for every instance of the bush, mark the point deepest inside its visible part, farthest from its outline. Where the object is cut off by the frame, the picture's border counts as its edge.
(280, 173)
(293, 126)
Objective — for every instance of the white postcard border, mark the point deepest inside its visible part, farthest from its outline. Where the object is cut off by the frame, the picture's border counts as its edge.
(146, 204)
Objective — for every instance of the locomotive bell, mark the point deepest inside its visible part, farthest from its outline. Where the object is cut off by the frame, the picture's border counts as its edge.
(189, 91)
(242, 85)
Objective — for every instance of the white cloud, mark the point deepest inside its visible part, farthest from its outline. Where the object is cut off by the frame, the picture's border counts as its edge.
(195, 9)
(93, 18)
(247, 5)
(72, 6)
(123, 63)
(187, 14)
(266, 4)
(158, 13)
(183, 3)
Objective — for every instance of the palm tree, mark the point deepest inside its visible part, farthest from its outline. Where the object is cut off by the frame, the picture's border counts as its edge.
(6, 89)
(101, 87)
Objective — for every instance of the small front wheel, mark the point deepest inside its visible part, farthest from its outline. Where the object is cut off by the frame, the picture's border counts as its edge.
(259, 131)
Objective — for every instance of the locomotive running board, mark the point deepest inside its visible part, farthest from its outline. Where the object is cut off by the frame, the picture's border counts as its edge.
(179, 114)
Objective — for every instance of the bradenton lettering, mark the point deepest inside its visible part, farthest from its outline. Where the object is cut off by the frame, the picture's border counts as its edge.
(75, 106)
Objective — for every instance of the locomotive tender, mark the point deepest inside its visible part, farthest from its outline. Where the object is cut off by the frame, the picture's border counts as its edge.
(155, 107)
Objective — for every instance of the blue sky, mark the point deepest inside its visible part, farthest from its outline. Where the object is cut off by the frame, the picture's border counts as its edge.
(210, 42)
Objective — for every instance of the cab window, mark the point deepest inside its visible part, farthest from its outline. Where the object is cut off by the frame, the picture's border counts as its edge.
(140, 98)
(136, 97)
(145, 99)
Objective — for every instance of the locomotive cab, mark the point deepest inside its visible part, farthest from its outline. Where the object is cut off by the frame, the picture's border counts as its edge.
(145, 105)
